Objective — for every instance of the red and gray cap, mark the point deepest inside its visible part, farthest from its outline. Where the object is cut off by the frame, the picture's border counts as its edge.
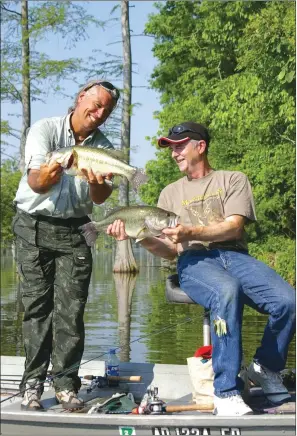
(184, 132)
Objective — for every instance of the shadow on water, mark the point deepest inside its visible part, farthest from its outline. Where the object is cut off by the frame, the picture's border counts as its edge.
(128, 311)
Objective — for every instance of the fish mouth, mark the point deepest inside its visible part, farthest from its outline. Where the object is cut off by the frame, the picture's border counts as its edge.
(70, 162)
(67, 161)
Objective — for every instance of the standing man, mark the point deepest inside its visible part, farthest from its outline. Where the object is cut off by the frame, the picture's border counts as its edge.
(216, 271)
(54, 262)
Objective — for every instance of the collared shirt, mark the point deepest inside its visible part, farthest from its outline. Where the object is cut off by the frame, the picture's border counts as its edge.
(70, 197)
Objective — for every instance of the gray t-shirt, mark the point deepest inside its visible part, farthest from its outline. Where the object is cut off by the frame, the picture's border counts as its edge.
(210, 200)
(70, 198)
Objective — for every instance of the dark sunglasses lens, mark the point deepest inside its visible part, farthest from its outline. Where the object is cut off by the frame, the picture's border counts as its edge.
(113, 90)
(177, 130)
(107, 85)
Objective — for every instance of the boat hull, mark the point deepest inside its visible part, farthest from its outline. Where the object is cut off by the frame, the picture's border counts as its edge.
(175, 388)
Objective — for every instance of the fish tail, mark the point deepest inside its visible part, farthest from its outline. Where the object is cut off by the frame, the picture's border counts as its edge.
(90, 233)
(138, 179)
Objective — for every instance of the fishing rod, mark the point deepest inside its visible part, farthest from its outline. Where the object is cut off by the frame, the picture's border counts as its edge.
(76, 366)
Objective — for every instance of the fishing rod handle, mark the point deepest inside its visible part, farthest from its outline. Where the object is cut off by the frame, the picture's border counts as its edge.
(173, 408)
(132, 378)
(185, 407)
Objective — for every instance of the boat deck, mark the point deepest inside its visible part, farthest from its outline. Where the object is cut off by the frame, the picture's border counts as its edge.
(174, 388)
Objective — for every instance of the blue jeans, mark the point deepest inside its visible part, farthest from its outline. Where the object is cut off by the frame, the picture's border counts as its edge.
(223, 281)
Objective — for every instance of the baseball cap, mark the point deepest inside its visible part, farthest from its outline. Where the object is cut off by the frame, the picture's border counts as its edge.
(183, 132)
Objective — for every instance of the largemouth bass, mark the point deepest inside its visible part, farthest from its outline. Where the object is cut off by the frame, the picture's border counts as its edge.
(140, 222)
(100, 160)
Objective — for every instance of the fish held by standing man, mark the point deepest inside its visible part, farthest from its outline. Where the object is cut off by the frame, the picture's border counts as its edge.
(100, 160)
(140, 222)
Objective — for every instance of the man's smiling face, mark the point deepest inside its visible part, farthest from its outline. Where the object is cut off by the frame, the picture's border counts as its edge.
(186, 155)
(94, 107)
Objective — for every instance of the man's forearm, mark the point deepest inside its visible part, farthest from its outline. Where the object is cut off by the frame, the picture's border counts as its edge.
(228, 230)
(100, 192)
(160, 248)
(223, 231)
(41, 181)
(37, 186)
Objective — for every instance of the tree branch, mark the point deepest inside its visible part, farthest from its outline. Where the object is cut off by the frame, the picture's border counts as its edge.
(8, 155)
(116, 42)
(285, 137)
(143, 34)
(13, 12)
(219, 70)
(15, 91)
(8, 144)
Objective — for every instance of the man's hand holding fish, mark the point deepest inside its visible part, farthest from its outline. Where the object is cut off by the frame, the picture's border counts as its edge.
(96, 178)
(117, 230)
(159, 246)
(98, 188)
(75, 160)
(43, 179)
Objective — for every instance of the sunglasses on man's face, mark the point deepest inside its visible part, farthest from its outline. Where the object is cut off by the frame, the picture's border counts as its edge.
(181, 129)
(112, 90)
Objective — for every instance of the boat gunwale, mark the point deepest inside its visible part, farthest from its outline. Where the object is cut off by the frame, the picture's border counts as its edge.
(264, 420)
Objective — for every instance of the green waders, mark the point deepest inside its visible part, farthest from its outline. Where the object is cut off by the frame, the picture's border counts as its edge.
(54, 265)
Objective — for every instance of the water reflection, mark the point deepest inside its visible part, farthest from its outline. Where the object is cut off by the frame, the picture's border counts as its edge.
(131, 312)
(125, 285)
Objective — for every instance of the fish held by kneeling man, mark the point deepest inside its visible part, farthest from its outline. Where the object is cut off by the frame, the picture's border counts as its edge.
(140, 222)
(99, 160)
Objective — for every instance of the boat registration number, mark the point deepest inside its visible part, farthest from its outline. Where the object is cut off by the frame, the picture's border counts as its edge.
(183, 431)
(193, 431)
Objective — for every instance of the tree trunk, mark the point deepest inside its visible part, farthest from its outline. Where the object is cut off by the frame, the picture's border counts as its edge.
(25, 81)
(124, 260)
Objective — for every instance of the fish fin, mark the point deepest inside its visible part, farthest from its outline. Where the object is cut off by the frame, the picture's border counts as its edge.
(90, 233)
(138, 179)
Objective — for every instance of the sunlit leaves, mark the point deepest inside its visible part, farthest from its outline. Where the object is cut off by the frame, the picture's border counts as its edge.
(231, 66)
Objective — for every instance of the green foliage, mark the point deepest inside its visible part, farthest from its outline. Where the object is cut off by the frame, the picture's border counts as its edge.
(279, 253)
(7, 130)
(231, 66)
(10, 178)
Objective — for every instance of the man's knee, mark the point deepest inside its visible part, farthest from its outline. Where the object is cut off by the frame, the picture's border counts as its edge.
(291, 307)
(287, 307)
(230, 291)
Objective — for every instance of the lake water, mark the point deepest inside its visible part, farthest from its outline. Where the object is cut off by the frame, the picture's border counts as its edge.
(128, 312)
